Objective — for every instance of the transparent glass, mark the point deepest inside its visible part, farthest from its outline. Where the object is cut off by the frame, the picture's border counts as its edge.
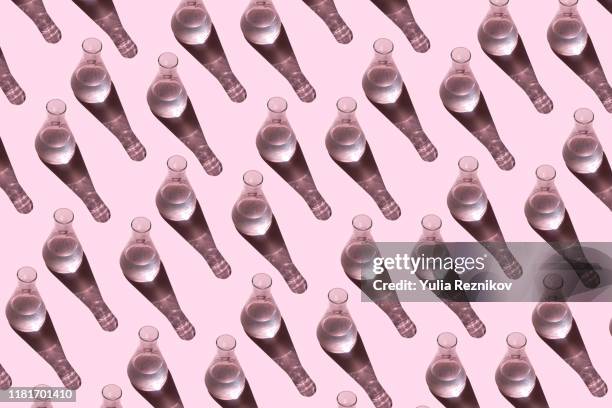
(104, 14)
(179, 207)
(149, 373)
(35, 10)
(65, 258)
(339, 338)
(570, 41)
(262, 321)
(111, 396)
(461, 95)
(10, 185)
(501, 41)
(5, 379)
(8, 83)
(432, 243)
(143, 268)
(348, 147)
(280, 149)
(169, 102)
(346, 399)
(327, 11)
(357, 260)
(255, 221)
(28, 317)
(400, 13)
(585, 158)
(515, 376)
(58, 150)
(94, 89)
(468, 204)
(193, 29)
(385, 89)
(263, 29)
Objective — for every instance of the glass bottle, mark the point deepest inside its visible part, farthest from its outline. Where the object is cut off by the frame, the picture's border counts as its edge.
(264, 31)
(468, 204)
(143, 268)
(65, 258)
(502, 43)
(280, 149)
(5, 379)
(346, 399)
(28, 317)
(349, 149)
(104, 14)
(169, 102)
(385, 89)
(327, 11)
(8, 84)
(262, 321)
(256, 223)
(179, 207)
(10, 185)
(462, 98)
(95, 90)
(400, 13)
(40, 401)
(36, 11)
(555, 324)
(432, 244)
(340, 339)
(607, 4)
(225, 380)
(58, 150)
(585, 158)
(357, 260)
(111, 396)
(149, 373)
(516, 377)
(570, 41)
(193, 29)
(548, 217)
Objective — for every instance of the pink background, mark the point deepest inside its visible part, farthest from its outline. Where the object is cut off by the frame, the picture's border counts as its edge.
(420, 188)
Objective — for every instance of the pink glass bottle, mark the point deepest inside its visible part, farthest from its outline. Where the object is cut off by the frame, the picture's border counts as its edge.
(10, 185)
(346, 399)
(501, 41)
(149, 373)
(432, 244)
(585, 158)
(28, 317)
(65, 258)
(5, 379)
(95, 90)
(143, 268)
(256, 223)
(385, 89)
(40, 401)
(570, 41)
(193, 29)
(36, 11)
(279, 148)
(169, 102)
(340, 339)
(357, 260)
(58, 150)
(349, 149)
(179, 207)
(225, 380)
(327, 11)
(516, 378)
(462, 98)
(607, 4)
(547, 215)
(446, 377)
(400, 13)
(468, 204)
(262, 321)
(104, 14)
(555, 324)
(264, 31)
(8, 84)
(111, 396)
